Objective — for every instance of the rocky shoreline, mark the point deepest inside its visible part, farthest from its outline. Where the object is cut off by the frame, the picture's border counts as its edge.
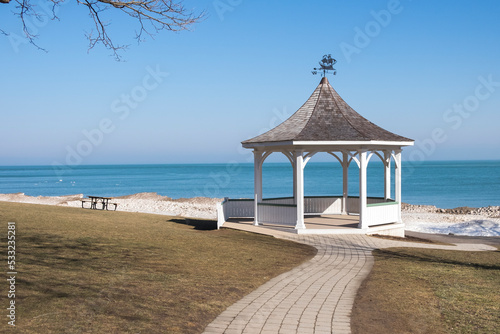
(488, 211)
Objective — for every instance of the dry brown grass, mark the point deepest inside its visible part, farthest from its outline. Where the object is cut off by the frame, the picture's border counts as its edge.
(86, 271)
(429, 291)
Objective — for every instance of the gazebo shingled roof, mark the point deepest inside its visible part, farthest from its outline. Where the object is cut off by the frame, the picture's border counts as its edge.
(326, 117)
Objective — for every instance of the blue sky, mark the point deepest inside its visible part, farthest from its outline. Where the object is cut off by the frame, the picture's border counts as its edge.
(428, 70)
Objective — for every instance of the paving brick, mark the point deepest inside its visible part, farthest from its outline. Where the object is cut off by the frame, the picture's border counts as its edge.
(315, 297)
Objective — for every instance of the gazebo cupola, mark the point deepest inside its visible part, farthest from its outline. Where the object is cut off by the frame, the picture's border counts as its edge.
(326, 123)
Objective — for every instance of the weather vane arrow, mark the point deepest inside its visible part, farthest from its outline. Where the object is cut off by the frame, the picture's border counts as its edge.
(326, 65)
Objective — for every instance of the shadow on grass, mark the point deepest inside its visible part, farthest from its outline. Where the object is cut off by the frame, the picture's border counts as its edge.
(48, 260)
(56, 251)
(464, 260)
(198, 224)
(85, 274)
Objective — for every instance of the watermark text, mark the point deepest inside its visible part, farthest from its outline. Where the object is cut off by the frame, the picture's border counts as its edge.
(11, 273)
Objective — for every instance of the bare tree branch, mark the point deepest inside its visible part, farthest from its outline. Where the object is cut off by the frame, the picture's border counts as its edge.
(102, 35)
(152, 16)
(26, 9)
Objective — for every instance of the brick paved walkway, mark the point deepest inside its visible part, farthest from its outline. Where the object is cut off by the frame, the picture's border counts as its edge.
(315, 297)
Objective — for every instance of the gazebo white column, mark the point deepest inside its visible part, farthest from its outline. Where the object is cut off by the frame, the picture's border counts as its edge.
(299, 191)
(387, 174)
(257, 177)
(362, 188)
(345, 181)
(397, 156)
(294, 166)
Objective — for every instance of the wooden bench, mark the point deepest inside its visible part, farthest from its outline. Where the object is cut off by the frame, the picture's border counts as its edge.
(115, 204)
(85, 201)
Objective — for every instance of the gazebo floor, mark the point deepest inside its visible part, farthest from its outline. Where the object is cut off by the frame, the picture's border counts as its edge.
(331, 221)
(323, 224)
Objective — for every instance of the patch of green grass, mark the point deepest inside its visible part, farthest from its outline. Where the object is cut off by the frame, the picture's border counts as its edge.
(86, 271)
(429, 291)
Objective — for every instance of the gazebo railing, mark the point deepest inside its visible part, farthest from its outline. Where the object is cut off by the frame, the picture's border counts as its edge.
(234, 208)
(312, 204)
(379, 213)
(375, 200)
(282, 210)
(284, 214)
(352, 205)
(278, 200)
(327, 205)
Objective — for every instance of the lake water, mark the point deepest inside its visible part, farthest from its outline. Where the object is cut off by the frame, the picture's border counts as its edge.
(445, 184)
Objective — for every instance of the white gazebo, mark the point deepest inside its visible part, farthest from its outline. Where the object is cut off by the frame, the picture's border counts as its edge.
(326, 123)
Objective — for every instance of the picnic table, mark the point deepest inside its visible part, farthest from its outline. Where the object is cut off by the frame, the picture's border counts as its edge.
(103, 202)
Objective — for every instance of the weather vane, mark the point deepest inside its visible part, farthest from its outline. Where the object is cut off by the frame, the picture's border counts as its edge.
(326, 65)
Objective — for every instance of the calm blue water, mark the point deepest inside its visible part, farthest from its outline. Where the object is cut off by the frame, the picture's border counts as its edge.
(445, 184)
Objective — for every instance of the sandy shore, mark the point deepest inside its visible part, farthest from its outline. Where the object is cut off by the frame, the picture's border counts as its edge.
(198, 207)
(419, 218)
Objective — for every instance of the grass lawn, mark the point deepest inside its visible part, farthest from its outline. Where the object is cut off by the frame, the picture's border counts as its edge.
(86, 271)
(429, 291)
